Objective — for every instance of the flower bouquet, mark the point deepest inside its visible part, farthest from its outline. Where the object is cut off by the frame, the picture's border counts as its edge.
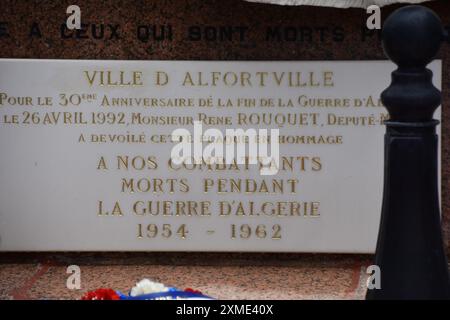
(147, 290)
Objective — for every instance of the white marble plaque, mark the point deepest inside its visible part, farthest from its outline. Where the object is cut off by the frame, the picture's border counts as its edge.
(85, 150)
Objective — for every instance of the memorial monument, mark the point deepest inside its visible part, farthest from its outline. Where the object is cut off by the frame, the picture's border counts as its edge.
(94, 120)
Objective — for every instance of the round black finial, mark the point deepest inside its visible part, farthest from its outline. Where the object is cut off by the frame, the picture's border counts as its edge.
(412, 36)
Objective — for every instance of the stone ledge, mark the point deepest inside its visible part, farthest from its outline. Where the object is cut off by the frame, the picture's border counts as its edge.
(221, 275)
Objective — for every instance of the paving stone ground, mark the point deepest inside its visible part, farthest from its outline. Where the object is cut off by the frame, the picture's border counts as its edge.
(220, 275)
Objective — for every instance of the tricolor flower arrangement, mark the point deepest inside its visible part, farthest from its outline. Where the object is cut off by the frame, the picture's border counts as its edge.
(146, 290)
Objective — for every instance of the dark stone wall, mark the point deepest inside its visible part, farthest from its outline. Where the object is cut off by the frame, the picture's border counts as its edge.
(231, 30)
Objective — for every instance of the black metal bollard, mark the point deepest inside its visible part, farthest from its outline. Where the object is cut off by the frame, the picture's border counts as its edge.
(410, 250)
